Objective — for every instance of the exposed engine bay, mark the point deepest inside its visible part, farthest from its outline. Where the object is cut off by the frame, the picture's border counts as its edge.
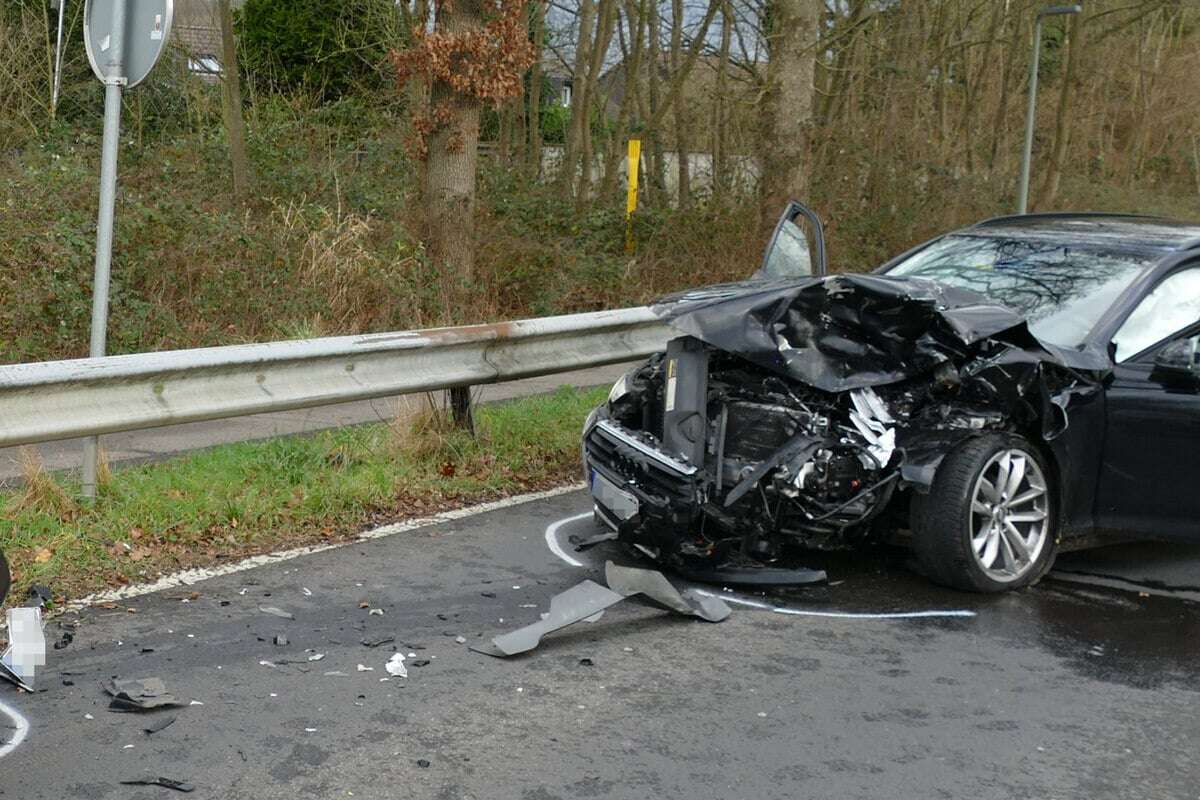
(801, 413)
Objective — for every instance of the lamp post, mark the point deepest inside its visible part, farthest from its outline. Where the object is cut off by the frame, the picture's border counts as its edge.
(1023, 194)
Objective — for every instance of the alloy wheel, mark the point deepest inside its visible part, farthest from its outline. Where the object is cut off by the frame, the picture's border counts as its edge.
(1010, 515)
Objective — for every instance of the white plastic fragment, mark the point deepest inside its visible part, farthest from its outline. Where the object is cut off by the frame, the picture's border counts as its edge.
(873, 420)
(26, 643)
(365, 668)
(375, 612)
(395, 666)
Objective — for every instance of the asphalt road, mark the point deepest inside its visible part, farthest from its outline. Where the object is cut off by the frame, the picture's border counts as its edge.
(1062, 691)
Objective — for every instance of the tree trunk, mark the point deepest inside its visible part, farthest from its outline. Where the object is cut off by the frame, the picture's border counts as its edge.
(606, 19)
(632, 66)
(655, 181)
(449, 189)
(787, 102)
(1062, 123)
(231, 104)
(579, 110)
(538, 25)
(720, 122)
(999, 124)
(683, 167)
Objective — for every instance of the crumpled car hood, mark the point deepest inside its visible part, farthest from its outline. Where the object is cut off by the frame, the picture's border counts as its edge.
(846, 332)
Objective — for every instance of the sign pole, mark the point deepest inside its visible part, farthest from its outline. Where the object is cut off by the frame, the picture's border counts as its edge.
(113, 84)
(58, 47)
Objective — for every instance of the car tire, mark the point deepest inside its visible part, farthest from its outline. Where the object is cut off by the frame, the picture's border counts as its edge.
(5, 578)
(978, 529)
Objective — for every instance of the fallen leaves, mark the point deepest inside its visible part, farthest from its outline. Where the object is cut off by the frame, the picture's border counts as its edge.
(42, 555)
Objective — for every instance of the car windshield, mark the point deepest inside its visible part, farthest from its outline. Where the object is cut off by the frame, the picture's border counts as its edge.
(1061, 289)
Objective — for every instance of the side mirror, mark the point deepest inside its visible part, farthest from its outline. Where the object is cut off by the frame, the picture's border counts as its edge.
(1180, 358)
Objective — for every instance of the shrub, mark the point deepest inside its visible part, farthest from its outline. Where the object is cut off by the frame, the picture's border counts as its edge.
(327, 48)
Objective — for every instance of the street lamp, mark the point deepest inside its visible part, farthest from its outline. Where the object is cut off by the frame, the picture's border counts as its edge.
(1023, 196)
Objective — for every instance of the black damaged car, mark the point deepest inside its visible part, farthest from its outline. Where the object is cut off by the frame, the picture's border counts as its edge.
(1002, 392)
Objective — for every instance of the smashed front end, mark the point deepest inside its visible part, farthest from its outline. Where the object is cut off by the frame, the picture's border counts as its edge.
(793, 414)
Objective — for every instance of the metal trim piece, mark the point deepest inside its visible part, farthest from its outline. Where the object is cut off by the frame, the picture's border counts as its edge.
(617, 433)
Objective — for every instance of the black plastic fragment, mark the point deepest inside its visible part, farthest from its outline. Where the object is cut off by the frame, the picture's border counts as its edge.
(166, 783)
(159, 724)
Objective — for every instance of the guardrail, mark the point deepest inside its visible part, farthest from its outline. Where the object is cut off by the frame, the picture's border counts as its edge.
(87, 397)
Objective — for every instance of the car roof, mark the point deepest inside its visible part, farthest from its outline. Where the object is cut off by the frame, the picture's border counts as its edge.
(1153, 235)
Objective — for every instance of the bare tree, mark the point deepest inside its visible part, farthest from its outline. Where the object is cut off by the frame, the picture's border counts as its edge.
(231, 104)
(477, 52)
(790, 30)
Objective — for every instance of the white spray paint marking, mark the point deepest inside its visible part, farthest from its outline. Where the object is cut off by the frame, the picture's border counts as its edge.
(552, 538)
(192, 576)
(556, 548)
(20, 724)
(799, 612)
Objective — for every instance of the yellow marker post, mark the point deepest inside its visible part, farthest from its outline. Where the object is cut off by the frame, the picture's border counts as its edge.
(635, 161)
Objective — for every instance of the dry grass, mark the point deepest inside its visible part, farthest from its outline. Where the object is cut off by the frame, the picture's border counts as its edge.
(42, 494)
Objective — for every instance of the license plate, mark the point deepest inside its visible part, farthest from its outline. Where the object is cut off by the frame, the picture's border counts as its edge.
(621, 503)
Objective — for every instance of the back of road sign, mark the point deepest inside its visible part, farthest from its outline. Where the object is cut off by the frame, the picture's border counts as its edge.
(147, 28)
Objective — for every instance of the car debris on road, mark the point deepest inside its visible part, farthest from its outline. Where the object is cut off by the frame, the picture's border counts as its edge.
(26, 651)
(587, 600)
(166, 783)
(146, 694)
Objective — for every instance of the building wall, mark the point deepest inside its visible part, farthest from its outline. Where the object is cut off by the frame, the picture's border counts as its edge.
(197, 27)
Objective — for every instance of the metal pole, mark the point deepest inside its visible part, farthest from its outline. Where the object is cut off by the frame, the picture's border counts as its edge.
(1023, 193)
(58, 46)
(104, 222)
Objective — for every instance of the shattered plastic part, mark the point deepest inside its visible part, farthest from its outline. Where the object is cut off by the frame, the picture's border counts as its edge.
(574, 605)
(395, 666)
(166, 783)
(146, 694)
(629, 581)
(26, 651)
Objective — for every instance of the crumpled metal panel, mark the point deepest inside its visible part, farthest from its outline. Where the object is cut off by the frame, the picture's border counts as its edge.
(574, 605)
(853, 331)
(628, 581)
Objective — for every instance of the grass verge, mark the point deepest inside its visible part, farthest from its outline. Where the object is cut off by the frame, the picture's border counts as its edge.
(238, 500)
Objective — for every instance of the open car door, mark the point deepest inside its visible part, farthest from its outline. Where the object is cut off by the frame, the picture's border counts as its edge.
(797, 248)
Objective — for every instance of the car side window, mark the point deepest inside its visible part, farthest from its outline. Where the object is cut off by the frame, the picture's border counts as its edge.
(1169, 308)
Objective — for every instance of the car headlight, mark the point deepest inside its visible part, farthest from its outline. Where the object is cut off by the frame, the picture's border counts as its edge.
(619, 389)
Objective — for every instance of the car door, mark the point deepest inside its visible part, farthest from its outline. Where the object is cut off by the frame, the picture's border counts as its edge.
(1149, 482)
(797, 248)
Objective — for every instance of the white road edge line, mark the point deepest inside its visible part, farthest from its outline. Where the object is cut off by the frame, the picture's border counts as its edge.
(552, 538)
(556, 548)
(193, 576)
(22, 727)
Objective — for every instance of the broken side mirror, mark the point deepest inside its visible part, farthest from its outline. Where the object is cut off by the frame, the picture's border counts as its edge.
(1180, 358)
(797, 248)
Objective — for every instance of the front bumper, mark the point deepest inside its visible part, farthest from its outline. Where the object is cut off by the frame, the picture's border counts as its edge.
(646, 495)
